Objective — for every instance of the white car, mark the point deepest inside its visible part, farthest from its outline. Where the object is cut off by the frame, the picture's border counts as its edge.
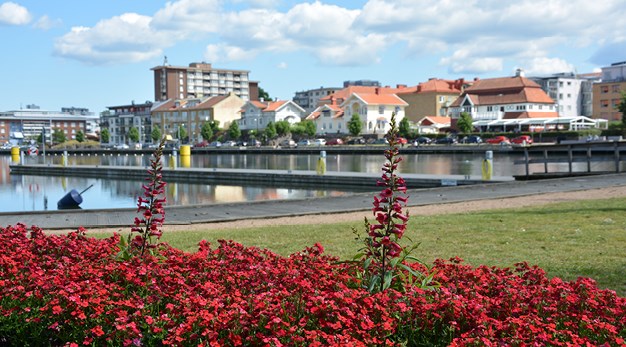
(319, 142)
(122, 146)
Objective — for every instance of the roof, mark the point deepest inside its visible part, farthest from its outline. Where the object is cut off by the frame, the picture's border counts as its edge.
(435, 120)
(170, 105)
(526, 114)
(380, 99)
(435, 85)
(506, 90)
(335, 109)
(345, 93)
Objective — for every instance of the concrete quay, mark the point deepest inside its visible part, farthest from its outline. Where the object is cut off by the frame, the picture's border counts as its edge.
(69, 219)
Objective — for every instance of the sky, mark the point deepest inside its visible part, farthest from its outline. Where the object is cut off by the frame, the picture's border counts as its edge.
(98, 53)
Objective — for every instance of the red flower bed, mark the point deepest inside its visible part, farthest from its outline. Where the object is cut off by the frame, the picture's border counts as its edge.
(72, 290)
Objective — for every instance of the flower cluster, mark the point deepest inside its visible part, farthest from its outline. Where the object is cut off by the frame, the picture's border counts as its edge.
(64, 290)
(382, 241)
(150, 205)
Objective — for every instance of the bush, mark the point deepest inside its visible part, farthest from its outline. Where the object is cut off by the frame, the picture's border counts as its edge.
(69, 289)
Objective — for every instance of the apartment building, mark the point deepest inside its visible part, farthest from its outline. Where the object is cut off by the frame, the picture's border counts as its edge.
(431, 98)
(21, 126)
(607, 93)
(309, 99)
(571, 92)
(120, 119)
(200, 80)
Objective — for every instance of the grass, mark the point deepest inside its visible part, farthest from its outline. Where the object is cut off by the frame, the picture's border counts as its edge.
(568, 240)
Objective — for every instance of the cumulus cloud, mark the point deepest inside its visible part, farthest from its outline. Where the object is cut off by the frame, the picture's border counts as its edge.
(125, 38)
(14, 14)
(546, 66)
(481, 36)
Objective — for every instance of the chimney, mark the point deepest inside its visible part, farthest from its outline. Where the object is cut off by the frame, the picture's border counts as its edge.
(377, 90)
(519, 73)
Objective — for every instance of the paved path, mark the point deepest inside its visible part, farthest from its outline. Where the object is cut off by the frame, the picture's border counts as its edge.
(280, 208)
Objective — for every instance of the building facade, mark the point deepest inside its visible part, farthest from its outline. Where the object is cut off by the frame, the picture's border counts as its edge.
(571, 92)
(191, 114)
(309, 99)
(25, 125)
(431, 98)
(200, 80)
(256, 115)
(607, 94)
(120, 119)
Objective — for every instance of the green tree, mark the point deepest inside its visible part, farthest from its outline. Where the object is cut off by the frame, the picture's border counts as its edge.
(181, 133)
(215, 126)
(206, 131)
(105, 135)
(270, 130)
(58, 136)
(404, 128)
(282, 127)
(233, 131)
(156, 134)
(355, 125)
(263, 94)
(133, 134)
(309, 128)
(464, 123)
(80, 136)
(297, 129)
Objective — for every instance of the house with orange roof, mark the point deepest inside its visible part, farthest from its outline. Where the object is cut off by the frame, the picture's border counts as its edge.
(256, 115)
(328, 116)
(431, 98)
(191, 114)
(505, 103)
(433, 124)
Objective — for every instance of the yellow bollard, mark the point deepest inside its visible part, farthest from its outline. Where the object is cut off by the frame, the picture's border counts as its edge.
(487, 167)
(321, 163)
(185, 161)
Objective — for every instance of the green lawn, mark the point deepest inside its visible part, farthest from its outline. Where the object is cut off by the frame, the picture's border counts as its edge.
(568, 240)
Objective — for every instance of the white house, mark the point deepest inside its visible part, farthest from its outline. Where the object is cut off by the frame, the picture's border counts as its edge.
(329, 118)
(255, 115)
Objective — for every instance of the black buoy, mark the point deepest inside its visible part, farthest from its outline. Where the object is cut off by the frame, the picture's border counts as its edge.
(72, 199)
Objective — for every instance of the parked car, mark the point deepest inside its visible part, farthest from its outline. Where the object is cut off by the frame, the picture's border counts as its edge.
(381, 141)
(334, 142)
(402, 141)
(319, 142)
(242, 143)
(472, 139)
(356, 141)
(215, 144)
(289, 143)
(229, 144)
(255, 143)
(522, 139)
(304, 143)
(498, 140)
(122, 146)
(422, 140)
(446, 141)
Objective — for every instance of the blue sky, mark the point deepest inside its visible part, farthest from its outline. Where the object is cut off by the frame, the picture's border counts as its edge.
(97, 53)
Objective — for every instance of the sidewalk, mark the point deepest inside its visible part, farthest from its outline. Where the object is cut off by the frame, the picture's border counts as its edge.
(68, 219)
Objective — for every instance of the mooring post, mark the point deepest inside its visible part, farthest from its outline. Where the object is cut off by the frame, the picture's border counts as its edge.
(545, 161)
(571, 157)
(526, 160)
(615, 144)
(588, 158)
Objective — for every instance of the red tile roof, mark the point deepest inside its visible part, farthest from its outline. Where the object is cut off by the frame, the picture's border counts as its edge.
(381, 99)
(505, 90)
(435, 85)
(429, 120)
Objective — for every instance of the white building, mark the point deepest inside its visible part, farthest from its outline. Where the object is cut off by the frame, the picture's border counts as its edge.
(309, 99)
(256, 115)
(570, 92)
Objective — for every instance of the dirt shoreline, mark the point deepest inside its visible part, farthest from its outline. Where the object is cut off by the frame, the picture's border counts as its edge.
(434, 209)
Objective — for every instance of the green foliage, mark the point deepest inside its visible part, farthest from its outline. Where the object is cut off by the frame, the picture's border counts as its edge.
(297, 129)
(181, 132)
(465, 123)
(355, 125)
(80, 136)
(404, 128)
(105, 135)
(133, 134)
(263, 94)
(156, 134)
(270, 130)
(207, 131)
(215, 126)
(58, 136)
(622, 108)
(309, 128)
(233, 131)
(282, 127)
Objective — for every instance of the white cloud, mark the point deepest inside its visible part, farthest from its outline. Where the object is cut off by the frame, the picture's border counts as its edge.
(14, 14)
(546, 66)
(223, 53)
(125, 38)
(282, 65)
(46, 23)
(463, 62)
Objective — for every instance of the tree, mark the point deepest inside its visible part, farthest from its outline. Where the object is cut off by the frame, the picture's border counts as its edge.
(58, 136)
(282, 127)
(309, 128)
(105, 135)
(181, 133)
(465, 123)
(270, 130)
(404, 128)
(206, 131)
(80, 136)
(355, 125)
(215, 126)
(233, 131)
(156, 134)
(263, 94)
(133, 134)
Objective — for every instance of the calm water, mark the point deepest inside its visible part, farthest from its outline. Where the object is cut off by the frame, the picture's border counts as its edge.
(38, 193)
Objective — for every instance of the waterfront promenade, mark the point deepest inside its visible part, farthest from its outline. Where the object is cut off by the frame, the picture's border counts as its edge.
(68, 219)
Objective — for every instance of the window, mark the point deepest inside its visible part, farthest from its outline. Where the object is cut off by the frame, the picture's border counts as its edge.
(604, 89)
(560, 96)
(569, 107)
(569, 83)
(442, 98)
(569, 96)
(381, 109)
(489, 108)
(615, 88)
(604, 103)
(560, 83)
